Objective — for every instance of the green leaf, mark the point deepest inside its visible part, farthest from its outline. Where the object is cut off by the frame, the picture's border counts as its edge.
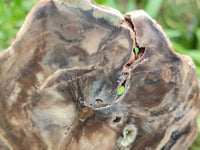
(136, 49)
(120, 90)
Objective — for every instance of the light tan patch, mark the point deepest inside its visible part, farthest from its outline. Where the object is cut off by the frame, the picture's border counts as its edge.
(14, 94)
(94, 37)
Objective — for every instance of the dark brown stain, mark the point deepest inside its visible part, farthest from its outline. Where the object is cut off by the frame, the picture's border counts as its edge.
(151, 140)
(28, 77)
(150, 90)
(177, 134)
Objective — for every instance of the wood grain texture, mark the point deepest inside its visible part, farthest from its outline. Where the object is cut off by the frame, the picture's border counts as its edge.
(59, 83)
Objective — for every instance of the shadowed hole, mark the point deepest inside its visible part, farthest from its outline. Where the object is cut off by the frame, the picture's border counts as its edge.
(117, 119)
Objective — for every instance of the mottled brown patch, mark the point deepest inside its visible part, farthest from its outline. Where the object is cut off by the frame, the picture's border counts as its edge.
(60, 80)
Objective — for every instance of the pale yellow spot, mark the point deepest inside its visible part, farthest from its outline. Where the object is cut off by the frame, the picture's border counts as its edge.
(129, 135)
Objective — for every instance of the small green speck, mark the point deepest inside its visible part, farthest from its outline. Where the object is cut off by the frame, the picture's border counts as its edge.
(136, 49)
(121, 90)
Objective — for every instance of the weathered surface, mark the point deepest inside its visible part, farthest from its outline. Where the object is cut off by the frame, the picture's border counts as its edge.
(60, 77)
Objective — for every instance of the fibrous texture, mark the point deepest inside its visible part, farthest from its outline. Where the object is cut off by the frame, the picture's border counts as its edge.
(72, 81)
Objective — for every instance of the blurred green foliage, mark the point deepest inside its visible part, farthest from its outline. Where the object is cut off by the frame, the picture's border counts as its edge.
(179, 18)
(12, 15)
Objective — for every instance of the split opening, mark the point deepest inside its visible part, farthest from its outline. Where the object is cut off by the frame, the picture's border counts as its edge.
(136, 55)
(138, 51)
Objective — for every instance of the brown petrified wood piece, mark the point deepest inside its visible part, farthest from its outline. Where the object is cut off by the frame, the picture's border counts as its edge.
(60, 81)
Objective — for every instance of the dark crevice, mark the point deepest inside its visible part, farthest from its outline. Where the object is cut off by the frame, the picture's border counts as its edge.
(124, 83)
(140, 53)
(99, 100)
(98, 103)
(122, 78)
(128, 23)
(135, 55)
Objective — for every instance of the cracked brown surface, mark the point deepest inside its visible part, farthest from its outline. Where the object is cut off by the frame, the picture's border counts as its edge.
(59, 81)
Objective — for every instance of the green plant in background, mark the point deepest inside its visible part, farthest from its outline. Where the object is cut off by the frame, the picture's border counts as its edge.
(179, 18)
(12, 15)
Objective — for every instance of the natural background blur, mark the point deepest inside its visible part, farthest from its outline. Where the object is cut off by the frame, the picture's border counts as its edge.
(179, 18)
